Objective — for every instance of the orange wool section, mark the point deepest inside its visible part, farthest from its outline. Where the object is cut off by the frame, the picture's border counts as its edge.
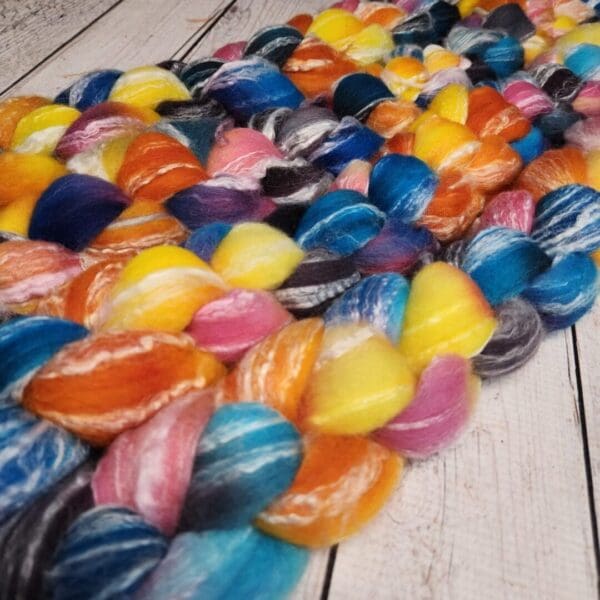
(301, 22)
(141, 225)
(31, 269)
(454, 207)
(342, 483)
(553, 169)
(315, 66)
(492, 166)
(26, 175)
(276, 371)
(157, 166)
(386, 15)
(12, 111)
(491, 114)
(89, 291)
(391, 117)
(110, 382)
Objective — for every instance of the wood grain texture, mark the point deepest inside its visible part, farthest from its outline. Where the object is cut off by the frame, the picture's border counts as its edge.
(248, 16)
(503, 514)
(30, 30)
(134, 33)
(588, 337)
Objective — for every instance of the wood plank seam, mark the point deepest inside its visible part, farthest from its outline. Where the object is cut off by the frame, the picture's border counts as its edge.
(207, 30)
(60, 47)
(586, 453)
(329, 572)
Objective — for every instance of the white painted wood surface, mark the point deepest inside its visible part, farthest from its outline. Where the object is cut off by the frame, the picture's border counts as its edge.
(588, 339)
(134, 33)
(504, 514)
(30, 30)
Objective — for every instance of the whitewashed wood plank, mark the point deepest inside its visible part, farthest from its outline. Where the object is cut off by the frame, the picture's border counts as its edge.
(503, 514)
(588, 339)
(311, 584)
(134, 33)
(30, 30)
(248, 16)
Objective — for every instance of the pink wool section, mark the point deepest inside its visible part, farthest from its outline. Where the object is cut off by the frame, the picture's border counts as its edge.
(438, 412)
(233, 51)
(148, 469)
(514, 209)
(232, 324)
(242, 152)
(354, 177)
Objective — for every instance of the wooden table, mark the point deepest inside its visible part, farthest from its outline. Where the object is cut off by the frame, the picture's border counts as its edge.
(507, 513)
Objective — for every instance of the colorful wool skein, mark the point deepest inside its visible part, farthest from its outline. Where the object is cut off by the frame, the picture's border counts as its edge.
(236, 290)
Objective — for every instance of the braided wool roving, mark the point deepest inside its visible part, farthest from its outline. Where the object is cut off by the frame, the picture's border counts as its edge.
(360, 213)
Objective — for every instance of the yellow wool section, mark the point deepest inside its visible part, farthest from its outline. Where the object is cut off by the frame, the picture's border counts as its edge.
(370, 45)
(147, 87)
(256, 256)
(445, 313)
(452, 103)
(335, 26)
(361, 381)
(593, 169)
(437, 58)
(436, 139)
(156, 259)
(44, 118)
(161, 289)
(16, 216)
(588, 33)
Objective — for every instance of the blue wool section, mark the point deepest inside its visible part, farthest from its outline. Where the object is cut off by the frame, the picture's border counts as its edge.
(247, 456)
(350, 140)
(554, 124)
(219, 200)
(27, 343)
(233, 563)
(249, 86)
(402, 186)
(472, 40)
(568, 220)
(502, 262)
(342, 221)
(90, 89)
(412, 50)
(357, 94)
(74, 209)
(275, 43)
(530, 146)
(204, 241)
(504, 57)
(566, 291)
(379, 300)
(427, 27)
(197, 134)
(34, 455)
(107, 553)
(397, 248)
(584, 61)
(196, 74)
